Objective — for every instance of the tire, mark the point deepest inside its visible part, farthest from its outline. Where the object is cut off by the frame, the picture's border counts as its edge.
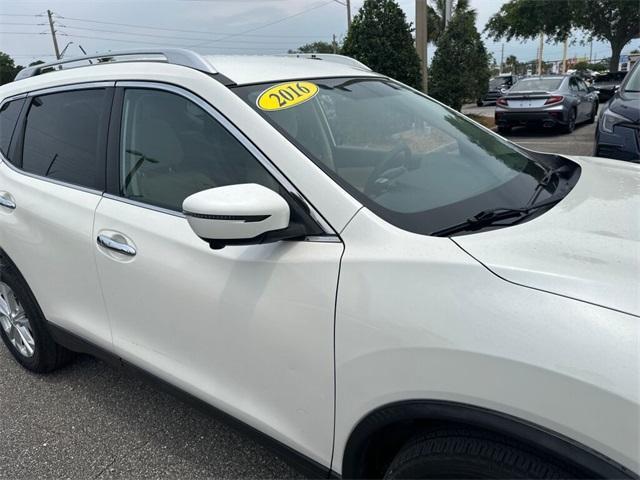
(40, 355)
(504, 130)
(594, 113)
(571, 124)
(469, 453)
(480, 103)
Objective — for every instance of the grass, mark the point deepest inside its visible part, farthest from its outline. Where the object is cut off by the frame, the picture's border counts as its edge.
(488, 122)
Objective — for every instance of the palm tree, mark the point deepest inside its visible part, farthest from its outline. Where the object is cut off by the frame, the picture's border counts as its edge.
(511, 63)
(436, 16)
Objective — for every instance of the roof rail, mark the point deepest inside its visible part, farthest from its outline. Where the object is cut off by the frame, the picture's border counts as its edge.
(174, 56)
(331, 57)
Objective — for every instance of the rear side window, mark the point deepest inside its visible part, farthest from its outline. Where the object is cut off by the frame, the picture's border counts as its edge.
(63, 137)
(9, 113)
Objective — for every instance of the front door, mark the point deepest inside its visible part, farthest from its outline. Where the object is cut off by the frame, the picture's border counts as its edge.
(247, 328)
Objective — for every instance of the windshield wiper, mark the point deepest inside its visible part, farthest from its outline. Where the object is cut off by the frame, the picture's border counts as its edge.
(489, 217)
(544, 181)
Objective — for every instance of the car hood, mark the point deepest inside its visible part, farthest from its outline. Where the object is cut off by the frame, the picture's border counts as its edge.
(627, 105)
(587, 247)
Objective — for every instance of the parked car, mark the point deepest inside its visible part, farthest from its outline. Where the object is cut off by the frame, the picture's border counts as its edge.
(547, 101)
(607, 84)
(373, 283)
(498, 86)
(618, 132)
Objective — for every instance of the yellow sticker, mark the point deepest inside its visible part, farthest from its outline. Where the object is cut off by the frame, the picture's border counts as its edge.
(286, 95)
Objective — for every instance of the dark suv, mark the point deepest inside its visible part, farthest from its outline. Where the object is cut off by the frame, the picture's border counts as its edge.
(618, 132)
(498, 86)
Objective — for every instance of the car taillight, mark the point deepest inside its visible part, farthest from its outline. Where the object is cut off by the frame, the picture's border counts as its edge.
(554, 99)
(502, 102)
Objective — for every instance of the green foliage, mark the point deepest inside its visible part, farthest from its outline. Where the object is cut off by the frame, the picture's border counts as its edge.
(380, 37)
(316, 47)
(460, 68)
(436, 17)
(8, 69)
(581, 66)
(615, 21)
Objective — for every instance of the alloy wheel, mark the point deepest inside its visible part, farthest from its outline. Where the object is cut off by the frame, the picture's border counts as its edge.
(15, 323)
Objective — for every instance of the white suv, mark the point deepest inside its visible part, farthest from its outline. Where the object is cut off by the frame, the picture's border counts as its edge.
(370, 281)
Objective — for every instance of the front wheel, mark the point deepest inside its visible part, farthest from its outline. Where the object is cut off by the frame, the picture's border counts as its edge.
(571, 123)
(470, 453)
(504, 129)
(23, 327)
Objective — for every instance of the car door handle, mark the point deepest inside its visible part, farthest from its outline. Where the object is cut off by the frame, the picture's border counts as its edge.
(116, 246)
(6, 201)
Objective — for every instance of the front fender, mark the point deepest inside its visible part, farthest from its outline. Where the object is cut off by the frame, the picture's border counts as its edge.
(419, 319)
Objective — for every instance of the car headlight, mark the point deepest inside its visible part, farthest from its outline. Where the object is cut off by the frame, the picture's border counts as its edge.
(611, 119)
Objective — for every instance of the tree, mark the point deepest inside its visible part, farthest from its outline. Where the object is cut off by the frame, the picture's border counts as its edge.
(511, 63)
(460, 68)
(380, 37)
(8, 69)
(436, 16)
(614, 21)
(316, 47)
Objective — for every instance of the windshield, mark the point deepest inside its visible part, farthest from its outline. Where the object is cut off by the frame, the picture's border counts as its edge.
(633, 83)
(498, 82)
(537, 85)
(615, 77)
(412, 161)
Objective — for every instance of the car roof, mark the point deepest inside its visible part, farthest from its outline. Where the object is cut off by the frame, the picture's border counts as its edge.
(233, 69)
(249, 69)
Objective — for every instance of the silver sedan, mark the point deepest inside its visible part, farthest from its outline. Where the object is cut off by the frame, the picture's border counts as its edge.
(548, 101)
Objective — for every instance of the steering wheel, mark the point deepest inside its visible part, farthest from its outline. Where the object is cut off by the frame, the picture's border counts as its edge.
(399, 157)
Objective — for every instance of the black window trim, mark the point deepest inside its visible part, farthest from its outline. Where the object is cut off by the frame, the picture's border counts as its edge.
(17, 141)
(113, 149)
(14, 98)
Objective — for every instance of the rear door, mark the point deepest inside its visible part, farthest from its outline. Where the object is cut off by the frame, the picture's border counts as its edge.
(248, 329)
(53, 175)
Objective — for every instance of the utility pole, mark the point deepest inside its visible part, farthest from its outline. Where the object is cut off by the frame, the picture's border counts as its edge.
(591, 51)
(348, 14)
(53, 35)
(564, 55)
(540, 51)
(502, 59)
(448, 10)
(421, 41)
(334, 44)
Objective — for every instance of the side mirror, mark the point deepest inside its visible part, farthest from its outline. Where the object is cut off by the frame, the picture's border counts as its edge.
(246, 214)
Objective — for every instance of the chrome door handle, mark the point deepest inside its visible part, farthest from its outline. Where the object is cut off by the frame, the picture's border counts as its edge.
(6, 201)
(116, 246)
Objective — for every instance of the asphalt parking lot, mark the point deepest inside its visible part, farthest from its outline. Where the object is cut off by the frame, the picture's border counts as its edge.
(91, 420)
(580, 142)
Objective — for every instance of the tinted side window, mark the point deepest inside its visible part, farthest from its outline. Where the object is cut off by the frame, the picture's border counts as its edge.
(8, 117)
(63, 137)
(171, 148)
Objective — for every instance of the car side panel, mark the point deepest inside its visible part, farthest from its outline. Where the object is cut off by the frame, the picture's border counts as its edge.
(248, 329)
(424, 320)
(49, 238)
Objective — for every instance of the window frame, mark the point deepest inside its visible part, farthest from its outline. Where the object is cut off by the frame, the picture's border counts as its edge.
(112, 190)
(15, 98)
(16, 147)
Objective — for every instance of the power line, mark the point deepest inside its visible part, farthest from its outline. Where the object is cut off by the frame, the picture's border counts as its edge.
(72, 27)
(206, 32)
(266, 24)
(135, 42)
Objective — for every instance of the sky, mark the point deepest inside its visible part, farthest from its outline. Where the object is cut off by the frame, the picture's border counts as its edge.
(212, 26)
